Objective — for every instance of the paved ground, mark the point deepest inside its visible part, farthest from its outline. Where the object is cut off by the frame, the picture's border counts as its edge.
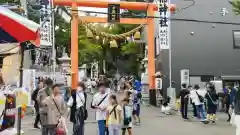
(154, 123)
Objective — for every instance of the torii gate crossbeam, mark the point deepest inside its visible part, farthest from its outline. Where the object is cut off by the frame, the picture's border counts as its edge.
(150, 7)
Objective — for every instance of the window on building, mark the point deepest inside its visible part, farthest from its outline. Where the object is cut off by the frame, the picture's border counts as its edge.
(236, 39)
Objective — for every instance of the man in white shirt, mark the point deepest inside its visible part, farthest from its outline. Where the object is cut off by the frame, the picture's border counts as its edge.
(100, 103)
(195, 95)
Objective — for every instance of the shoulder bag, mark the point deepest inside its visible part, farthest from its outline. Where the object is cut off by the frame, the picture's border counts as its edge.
(201, 99)
(60, 128)
(214, 102)
(93, 107)
(85, 115)
(114, 110)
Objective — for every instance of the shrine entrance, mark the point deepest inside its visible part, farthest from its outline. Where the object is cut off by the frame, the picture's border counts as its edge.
(150, 7)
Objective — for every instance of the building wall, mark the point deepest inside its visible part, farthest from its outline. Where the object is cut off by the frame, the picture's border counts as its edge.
(210, 50)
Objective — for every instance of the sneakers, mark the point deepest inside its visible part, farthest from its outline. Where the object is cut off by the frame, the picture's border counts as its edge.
(37, 127)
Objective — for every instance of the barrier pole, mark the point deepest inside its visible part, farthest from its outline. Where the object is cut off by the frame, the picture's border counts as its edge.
(19, 120)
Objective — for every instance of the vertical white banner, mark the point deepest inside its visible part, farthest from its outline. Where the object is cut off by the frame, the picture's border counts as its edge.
(185, 76)
(45, 22)
(158, 83)
(164, 24)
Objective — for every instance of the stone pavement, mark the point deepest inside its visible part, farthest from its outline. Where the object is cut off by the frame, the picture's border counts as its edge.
(155, 123)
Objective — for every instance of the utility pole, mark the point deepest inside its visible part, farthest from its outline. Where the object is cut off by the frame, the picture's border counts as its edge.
(24, 4)
(53, 42)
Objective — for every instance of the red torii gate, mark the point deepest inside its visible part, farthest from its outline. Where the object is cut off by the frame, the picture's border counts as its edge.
(150, 7)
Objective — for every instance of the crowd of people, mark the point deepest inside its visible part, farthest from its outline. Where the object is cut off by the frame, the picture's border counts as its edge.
(205, 101)
(115, 112)
(118, 110)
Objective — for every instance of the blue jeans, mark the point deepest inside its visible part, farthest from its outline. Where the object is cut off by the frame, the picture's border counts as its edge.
(49, 130)
(102, 127)
(201, 111)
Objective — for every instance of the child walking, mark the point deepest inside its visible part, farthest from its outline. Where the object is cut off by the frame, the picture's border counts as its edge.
(127, 117)
(114, 115)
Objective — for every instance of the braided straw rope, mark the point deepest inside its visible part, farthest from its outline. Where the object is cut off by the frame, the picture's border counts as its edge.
(108, 35)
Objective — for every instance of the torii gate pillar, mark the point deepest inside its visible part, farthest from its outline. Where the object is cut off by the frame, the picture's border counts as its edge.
(150, 7)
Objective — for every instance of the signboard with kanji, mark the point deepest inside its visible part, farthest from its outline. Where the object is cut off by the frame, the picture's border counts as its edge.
(45, 22)
(158, 83)
(164, 24)
(184, 76)
(113, 13)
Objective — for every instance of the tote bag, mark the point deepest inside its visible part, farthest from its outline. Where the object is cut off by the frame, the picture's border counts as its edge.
(232, 121)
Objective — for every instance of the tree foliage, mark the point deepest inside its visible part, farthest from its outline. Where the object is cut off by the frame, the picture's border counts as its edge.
(236, 6)
(125, 58)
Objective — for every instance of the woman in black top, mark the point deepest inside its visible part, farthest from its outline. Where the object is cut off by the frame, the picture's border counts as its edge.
(212, 98)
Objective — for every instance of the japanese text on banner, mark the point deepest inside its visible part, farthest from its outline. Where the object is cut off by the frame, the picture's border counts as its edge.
(164, 24)
(45, 31)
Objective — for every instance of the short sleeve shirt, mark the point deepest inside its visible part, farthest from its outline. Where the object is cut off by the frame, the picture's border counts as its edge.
(112, 119)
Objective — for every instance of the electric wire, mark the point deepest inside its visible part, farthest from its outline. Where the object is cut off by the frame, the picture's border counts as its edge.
(176, 19)
(184, 8)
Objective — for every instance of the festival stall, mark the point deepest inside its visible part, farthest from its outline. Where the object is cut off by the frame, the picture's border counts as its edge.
(14, 30)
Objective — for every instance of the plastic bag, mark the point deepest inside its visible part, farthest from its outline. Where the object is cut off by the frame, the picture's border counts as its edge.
(62, 127)
(232, 121)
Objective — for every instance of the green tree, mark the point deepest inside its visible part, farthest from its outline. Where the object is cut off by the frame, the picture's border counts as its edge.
(236, 6)
(88, 50)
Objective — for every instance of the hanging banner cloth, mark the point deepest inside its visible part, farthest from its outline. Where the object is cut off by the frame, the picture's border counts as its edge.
(16, 28)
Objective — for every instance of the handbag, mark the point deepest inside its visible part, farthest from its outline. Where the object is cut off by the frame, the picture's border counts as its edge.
(232, 121)
(214, 102)
(201, 99)
(61, 129)
(126, 120)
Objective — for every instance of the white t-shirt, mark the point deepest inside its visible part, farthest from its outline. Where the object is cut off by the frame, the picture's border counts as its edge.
(80, 100)
(100, 115)
(108, 90)
(194, 96)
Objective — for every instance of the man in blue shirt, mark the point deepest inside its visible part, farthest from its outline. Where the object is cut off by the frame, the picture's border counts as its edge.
(137, 101)
(137, 85)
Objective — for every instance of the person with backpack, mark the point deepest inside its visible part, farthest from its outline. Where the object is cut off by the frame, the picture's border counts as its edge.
(77, 104)
(100, 103)
(36, 105)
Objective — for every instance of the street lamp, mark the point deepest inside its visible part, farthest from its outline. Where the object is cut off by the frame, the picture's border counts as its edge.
(65, 66)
